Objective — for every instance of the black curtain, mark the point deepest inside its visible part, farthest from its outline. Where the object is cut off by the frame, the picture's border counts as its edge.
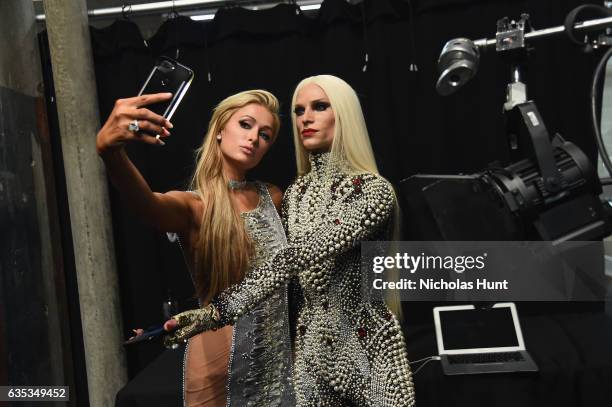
(413, 130)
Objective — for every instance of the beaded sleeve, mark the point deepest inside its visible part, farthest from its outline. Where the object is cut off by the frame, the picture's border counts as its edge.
(284, 208)
(366, 208)
(362, 213)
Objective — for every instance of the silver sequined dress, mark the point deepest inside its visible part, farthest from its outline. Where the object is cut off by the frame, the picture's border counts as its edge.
(349, 349)
(260, 364)
(260, 361)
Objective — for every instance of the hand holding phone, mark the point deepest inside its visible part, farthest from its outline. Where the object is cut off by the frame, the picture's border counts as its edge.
(127, 113)
(167, 76)
(146, 117)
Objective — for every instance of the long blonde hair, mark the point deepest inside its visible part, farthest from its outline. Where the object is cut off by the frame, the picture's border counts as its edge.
(350, 146)
(351, 141)
(224, 248)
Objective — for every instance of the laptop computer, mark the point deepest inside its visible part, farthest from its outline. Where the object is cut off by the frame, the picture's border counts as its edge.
(481, 340)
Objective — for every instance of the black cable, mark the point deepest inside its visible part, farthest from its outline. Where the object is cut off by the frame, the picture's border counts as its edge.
(603, 152)
(206, 52)
(570, 22)
(426, 361)
(365, 37)
(411, 36)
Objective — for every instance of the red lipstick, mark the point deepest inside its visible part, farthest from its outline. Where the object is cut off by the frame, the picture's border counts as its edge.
(308, 132)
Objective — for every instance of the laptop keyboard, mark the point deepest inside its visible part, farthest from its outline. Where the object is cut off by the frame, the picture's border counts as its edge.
(486, 357)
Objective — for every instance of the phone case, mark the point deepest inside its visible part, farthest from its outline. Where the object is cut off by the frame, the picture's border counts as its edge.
(167, 76)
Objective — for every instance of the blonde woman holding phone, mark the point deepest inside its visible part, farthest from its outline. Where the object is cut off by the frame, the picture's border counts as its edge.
(225, 225)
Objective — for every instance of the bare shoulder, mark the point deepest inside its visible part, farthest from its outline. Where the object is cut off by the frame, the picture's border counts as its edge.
(276, 194)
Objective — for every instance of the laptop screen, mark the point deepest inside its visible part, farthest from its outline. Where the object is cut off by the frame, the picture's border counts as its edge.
(478, 328)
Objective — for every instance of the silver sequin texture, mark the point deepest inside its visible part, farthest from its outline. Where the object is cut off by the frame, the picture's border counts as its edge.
(260, 364)
(260, 360)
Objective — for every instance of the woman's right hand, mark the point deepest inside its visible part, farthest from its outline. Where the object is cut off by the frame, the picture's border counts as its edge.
(115, 132)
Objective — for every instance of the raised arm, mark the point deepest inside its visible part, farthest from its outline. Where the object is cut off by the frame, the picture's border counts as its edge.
(171, 211)
(366, 210)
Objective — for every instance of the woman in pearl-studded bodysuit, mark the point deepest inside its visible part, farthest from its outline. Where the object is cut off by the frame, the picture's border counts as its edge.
(348, 347)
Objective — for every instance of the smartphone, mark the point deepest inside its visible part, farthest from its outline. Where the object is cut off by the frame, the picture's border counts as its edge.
(167, 76)
(149, 334)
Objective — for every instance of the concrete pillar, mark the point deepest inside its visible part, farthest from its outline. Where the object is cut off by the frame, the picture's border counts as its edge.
(32, 289)
(73, 75)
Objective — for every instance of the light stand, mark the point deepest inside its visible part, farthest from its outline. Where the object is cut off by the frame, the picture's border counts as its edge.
(548, 192)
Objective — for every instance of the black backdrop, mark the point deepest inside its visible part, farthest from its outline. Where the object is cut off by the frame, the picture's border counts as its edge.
(413, 130)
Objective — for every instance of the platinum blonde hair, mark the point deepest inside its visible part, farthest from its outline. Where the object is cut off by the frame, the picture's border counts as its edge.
(351, 146)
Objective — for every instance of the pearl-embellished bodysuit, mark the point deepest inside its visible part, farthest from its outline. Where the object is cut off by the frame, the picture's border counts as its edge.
(349, 347)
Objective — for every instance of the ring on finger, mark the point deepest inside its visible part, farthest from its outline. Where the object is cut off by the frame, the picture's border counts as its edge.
(133, 126)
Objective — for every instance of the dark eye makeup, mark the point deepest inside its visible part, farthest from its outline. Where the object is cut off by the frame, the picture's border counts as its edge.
(320, 106)
(246, 125)
(317, 105)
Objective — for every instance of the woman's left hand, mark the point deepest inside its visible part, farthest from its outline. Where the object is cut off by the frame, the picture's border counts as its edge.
(170, 325)
(190, 323)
